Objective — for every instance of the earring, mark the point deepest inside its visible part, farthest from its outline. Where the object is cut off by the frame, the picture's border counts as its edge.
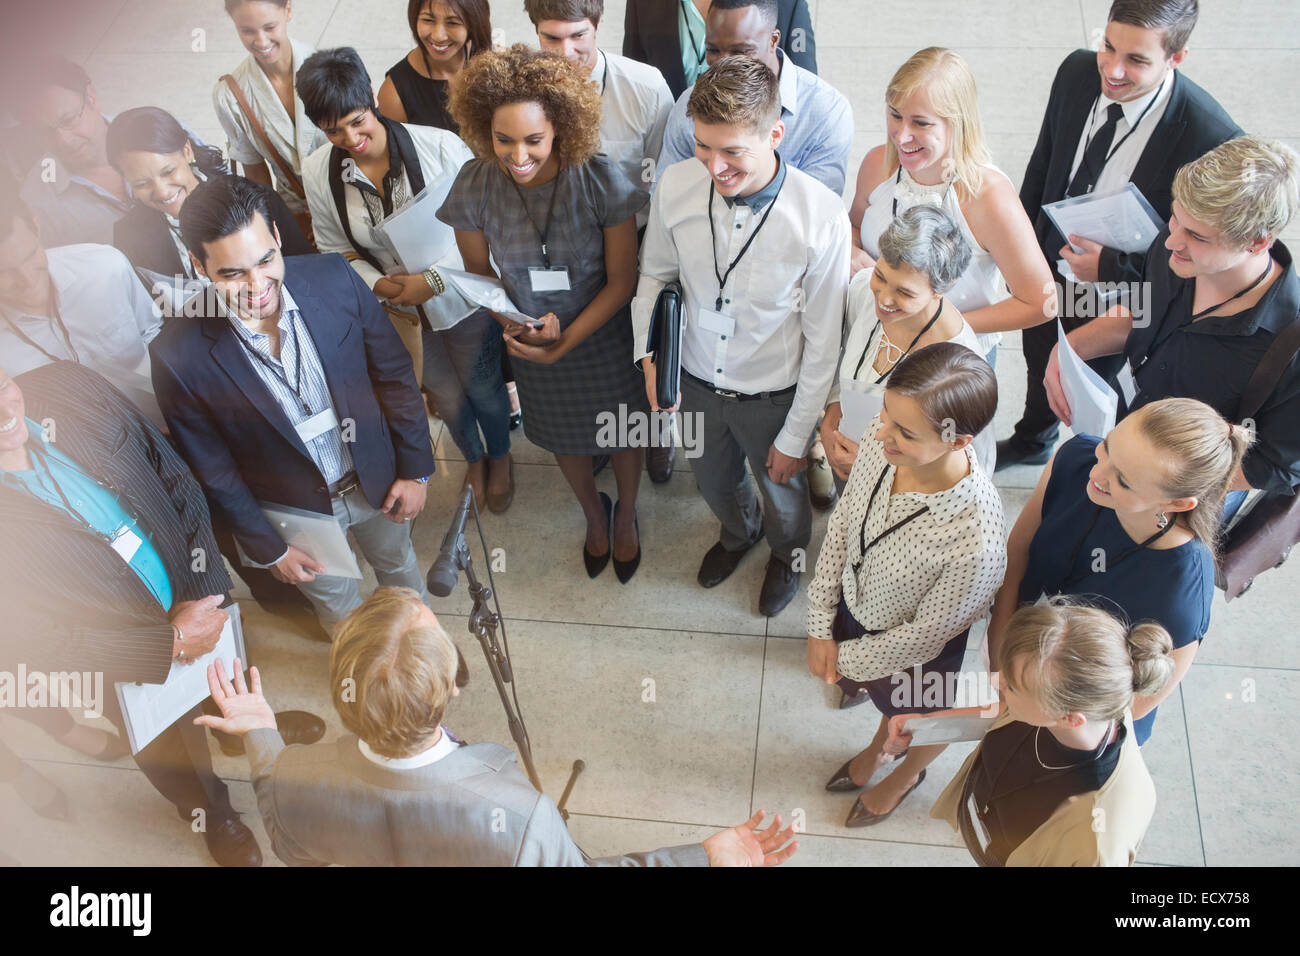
(1162, 520)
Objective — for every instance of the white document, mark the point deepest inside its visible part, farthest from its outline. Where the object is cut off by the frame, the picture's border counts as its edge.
(947, 730)
(316, 535)
(860, 402)
(486, 293)
(415, 234)
(1118, 218)
(1093, 403)
(149, 709)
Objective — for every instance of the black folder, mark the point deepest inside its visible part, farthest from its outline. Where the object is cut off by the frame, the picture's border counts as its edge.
(665, 344)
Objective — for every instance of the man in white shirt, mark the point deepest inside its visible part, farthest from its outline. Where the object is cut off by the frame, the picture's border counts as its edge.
(83, 303)
(763, 314)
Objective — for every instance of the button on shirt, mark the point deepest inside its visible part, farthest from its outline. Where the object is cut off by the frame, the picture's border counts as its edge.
(92, 504)
(919, 586)
(799, 258)
(818, 127)
(327, 450)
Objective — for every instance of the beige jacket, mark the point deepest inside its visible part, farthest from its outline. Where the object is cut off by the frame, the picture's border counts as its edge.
(1102, 828)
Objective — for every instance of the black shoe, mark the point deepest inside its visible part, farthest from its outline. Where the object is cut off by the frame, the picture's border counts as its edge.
(596, 562)
(659, 462)
(848, 702)
(719, 563)
(296, 727)
(598, 463)
(780, 584)
(860, 816)
(516, 419)
(1012, 451)
(231, 843)
(841, 781)
(625, 569)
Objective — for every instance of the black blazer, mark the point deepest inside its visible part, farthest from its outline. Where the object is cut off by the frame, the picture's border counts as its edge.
(69, 601)
(238, 440)
(1193, 124)
(650, 35)
(144, 237)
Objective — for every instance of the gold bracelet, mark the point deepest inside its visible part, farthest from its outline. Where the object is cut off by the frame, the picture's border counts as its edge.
(435, 281)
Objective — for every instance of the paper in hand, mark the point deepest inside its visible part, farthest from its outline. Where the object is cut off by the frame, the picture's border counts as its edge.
(1118, 218)
(486, 293)
(1093, 403)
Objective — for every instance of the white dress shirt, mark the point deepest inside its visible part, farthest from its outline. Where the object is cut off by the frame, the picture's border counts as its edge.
(109, 318)
(801, 257)
(634, 105)
(441, 154)
(446, 745)
(920, 586)
(1124, 159)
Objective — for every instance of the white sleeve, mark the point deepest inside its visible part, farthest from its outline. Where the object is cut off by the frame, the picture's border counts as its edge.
(659, 266)
(325, 217)
(239, 146)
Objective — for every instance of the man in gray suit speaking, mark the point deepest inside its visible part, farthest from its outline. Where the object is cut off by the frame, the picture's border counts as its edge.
(399, 789)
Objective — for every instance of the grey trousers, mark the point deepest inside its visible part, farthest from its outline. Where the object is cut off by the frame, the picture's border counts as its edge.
(385, 544)
(733, 432)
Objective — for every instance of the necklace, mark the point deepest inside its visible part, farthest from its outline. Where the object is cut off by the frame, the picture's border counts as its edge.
(1104, 739)
(889, 347)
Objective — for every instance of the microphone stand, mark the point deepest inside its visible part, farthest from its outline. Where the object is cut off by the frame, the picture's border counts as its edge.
(484, 623)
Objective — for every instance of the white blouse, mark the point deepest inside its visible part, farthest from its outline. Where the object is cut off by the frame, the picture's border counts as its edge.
(921, 585)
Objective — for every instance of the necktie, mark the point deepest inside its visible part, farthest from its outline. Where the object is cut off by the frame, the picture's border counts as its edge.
(1094, 157)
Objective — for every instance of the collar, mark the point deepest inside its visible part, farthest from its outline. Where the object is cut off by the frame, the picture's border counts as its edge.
(54, 265)
(350, 170)
(1276, 310)
(287, 306)
(788, 84)
(765, 195)
(948, 504)
(599, 71)
(1134, 108)
(445, 745)
(35, 433)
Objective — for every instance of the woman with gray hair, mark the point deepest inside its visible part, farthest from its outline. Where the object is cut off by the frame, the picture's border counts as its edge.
(894, 309)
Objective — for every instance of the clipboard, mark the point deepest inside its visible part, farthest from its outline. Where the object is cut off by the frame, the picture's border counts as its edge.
(1117, 218)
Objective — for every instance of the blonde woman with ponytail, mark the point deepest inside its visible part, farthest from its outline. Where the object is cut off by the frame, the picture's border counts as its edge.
(1058, 779)
(1129, 523)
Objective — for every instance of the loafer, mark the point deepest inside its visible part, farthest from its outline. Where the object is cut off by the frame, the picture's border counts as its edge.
(860, 816)
(659, 461)
(821, 480)
(595, 563)
(780, 584)
(499, 503)
(231, 843)
(718, 563)
(624, 570)
(296, 727)
(1012, 451)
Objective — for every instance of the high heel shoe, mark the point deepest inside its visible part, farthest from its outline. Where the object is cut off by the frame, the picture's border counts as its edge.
(860, 816)
(841, 780)
(625, 569)
(596, 562)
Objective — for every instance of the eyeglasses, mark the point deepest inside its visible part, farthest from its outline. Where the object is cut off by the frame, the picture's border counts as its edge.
(69, 123)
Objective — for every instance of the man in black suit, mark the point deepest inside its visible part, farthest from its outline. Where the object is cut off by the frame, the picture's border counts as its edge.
(651, 34)
(291, 388)
(1123, 114)
(90, 491)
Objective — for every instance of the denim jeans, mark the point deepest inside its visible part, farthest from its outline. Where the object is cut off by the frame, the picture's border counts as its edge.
(385, 544)
(462, 370)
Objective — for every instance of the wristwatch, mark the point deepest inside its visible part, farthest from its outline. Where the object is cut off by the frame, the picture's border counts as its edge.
(424, 480)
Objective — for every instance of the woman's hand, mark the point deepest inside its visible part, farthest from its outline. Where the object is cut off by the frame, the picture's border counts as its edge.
(823, 655)
(900, 738)
(543, 346)
(546, 332)
(840, 452)
(387, 288)
(414, 290)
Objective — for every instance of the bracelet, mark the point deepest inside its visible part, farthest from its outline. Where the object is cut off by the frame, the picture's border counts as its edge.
(435, 281)
(180, 639)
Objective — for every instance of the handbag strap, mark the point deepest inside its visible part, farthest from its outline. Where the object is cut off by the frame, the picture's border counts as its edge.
(281, 163)
(1268, 373)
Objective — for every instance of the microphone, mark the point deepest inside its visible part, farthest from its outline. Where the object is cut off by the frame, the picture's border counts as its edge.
(442, 576)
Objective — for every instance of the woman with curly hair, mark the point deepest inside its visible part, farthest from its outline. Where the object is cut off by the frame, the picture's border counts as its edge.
(559, 221)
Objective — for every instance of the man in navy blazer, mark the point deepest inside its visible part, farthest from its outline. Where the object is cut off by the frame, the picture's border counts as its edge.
(288, 386)
(1164, 121)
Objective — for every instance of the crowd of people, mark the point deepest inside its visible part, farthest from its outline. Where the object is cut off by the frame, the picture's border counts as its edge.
(195, 336)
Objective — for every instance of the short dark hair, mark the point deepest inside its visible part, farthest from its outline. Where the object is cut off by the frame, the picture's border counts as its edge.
(951, 383)
(768, 8)
(148, 129)
(31, 74)
(1175, 19)
(333, 84)
(736, 91)
(569, 11)
(221, 207)
(476, 14)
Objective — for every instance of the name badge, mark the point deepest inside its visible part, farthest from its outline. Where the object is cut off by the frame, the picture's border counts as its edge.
(1127, 384)
(549, 280)
(126, 544)
(717, 323)
(317, 425)
(981, 834)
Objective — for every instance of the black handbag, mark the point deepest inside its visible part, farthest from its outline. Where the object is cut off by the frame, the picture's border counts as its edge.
(1264, 537)
(664, 343)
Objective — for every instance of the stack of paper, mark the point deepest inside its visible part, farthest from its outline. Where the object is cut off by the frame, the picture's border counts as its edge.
(1093, 403)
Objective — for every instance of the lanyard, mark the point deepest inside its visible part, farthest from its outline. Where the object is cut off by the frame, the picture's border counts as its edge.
(604, 77)
(1074, 555)
(898, 178)
(296, 388)
(76, 515)
(884, 375)
(695, 44)
(724, 276)
(57, 321)
(868, 545)
(1092, 118)
(546, 226)
(1197, 316)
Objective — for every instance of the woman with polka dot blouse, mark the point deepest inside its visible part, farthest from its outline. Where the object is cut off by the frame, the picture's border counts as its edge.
(914, 553)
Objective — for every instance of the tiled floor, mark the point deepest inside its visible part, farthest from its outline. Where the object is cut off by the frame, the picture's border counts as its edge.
(689, 708)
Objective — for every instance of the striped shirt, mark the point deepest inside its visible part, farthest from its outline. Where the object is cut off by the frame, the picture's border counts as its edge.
(328, 449)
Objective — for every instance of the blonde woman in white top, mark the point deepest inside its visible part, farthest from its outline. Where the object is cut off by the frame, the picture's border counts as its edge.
(265, 78)
(935, 154)
(898, 306)
(914, 553)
